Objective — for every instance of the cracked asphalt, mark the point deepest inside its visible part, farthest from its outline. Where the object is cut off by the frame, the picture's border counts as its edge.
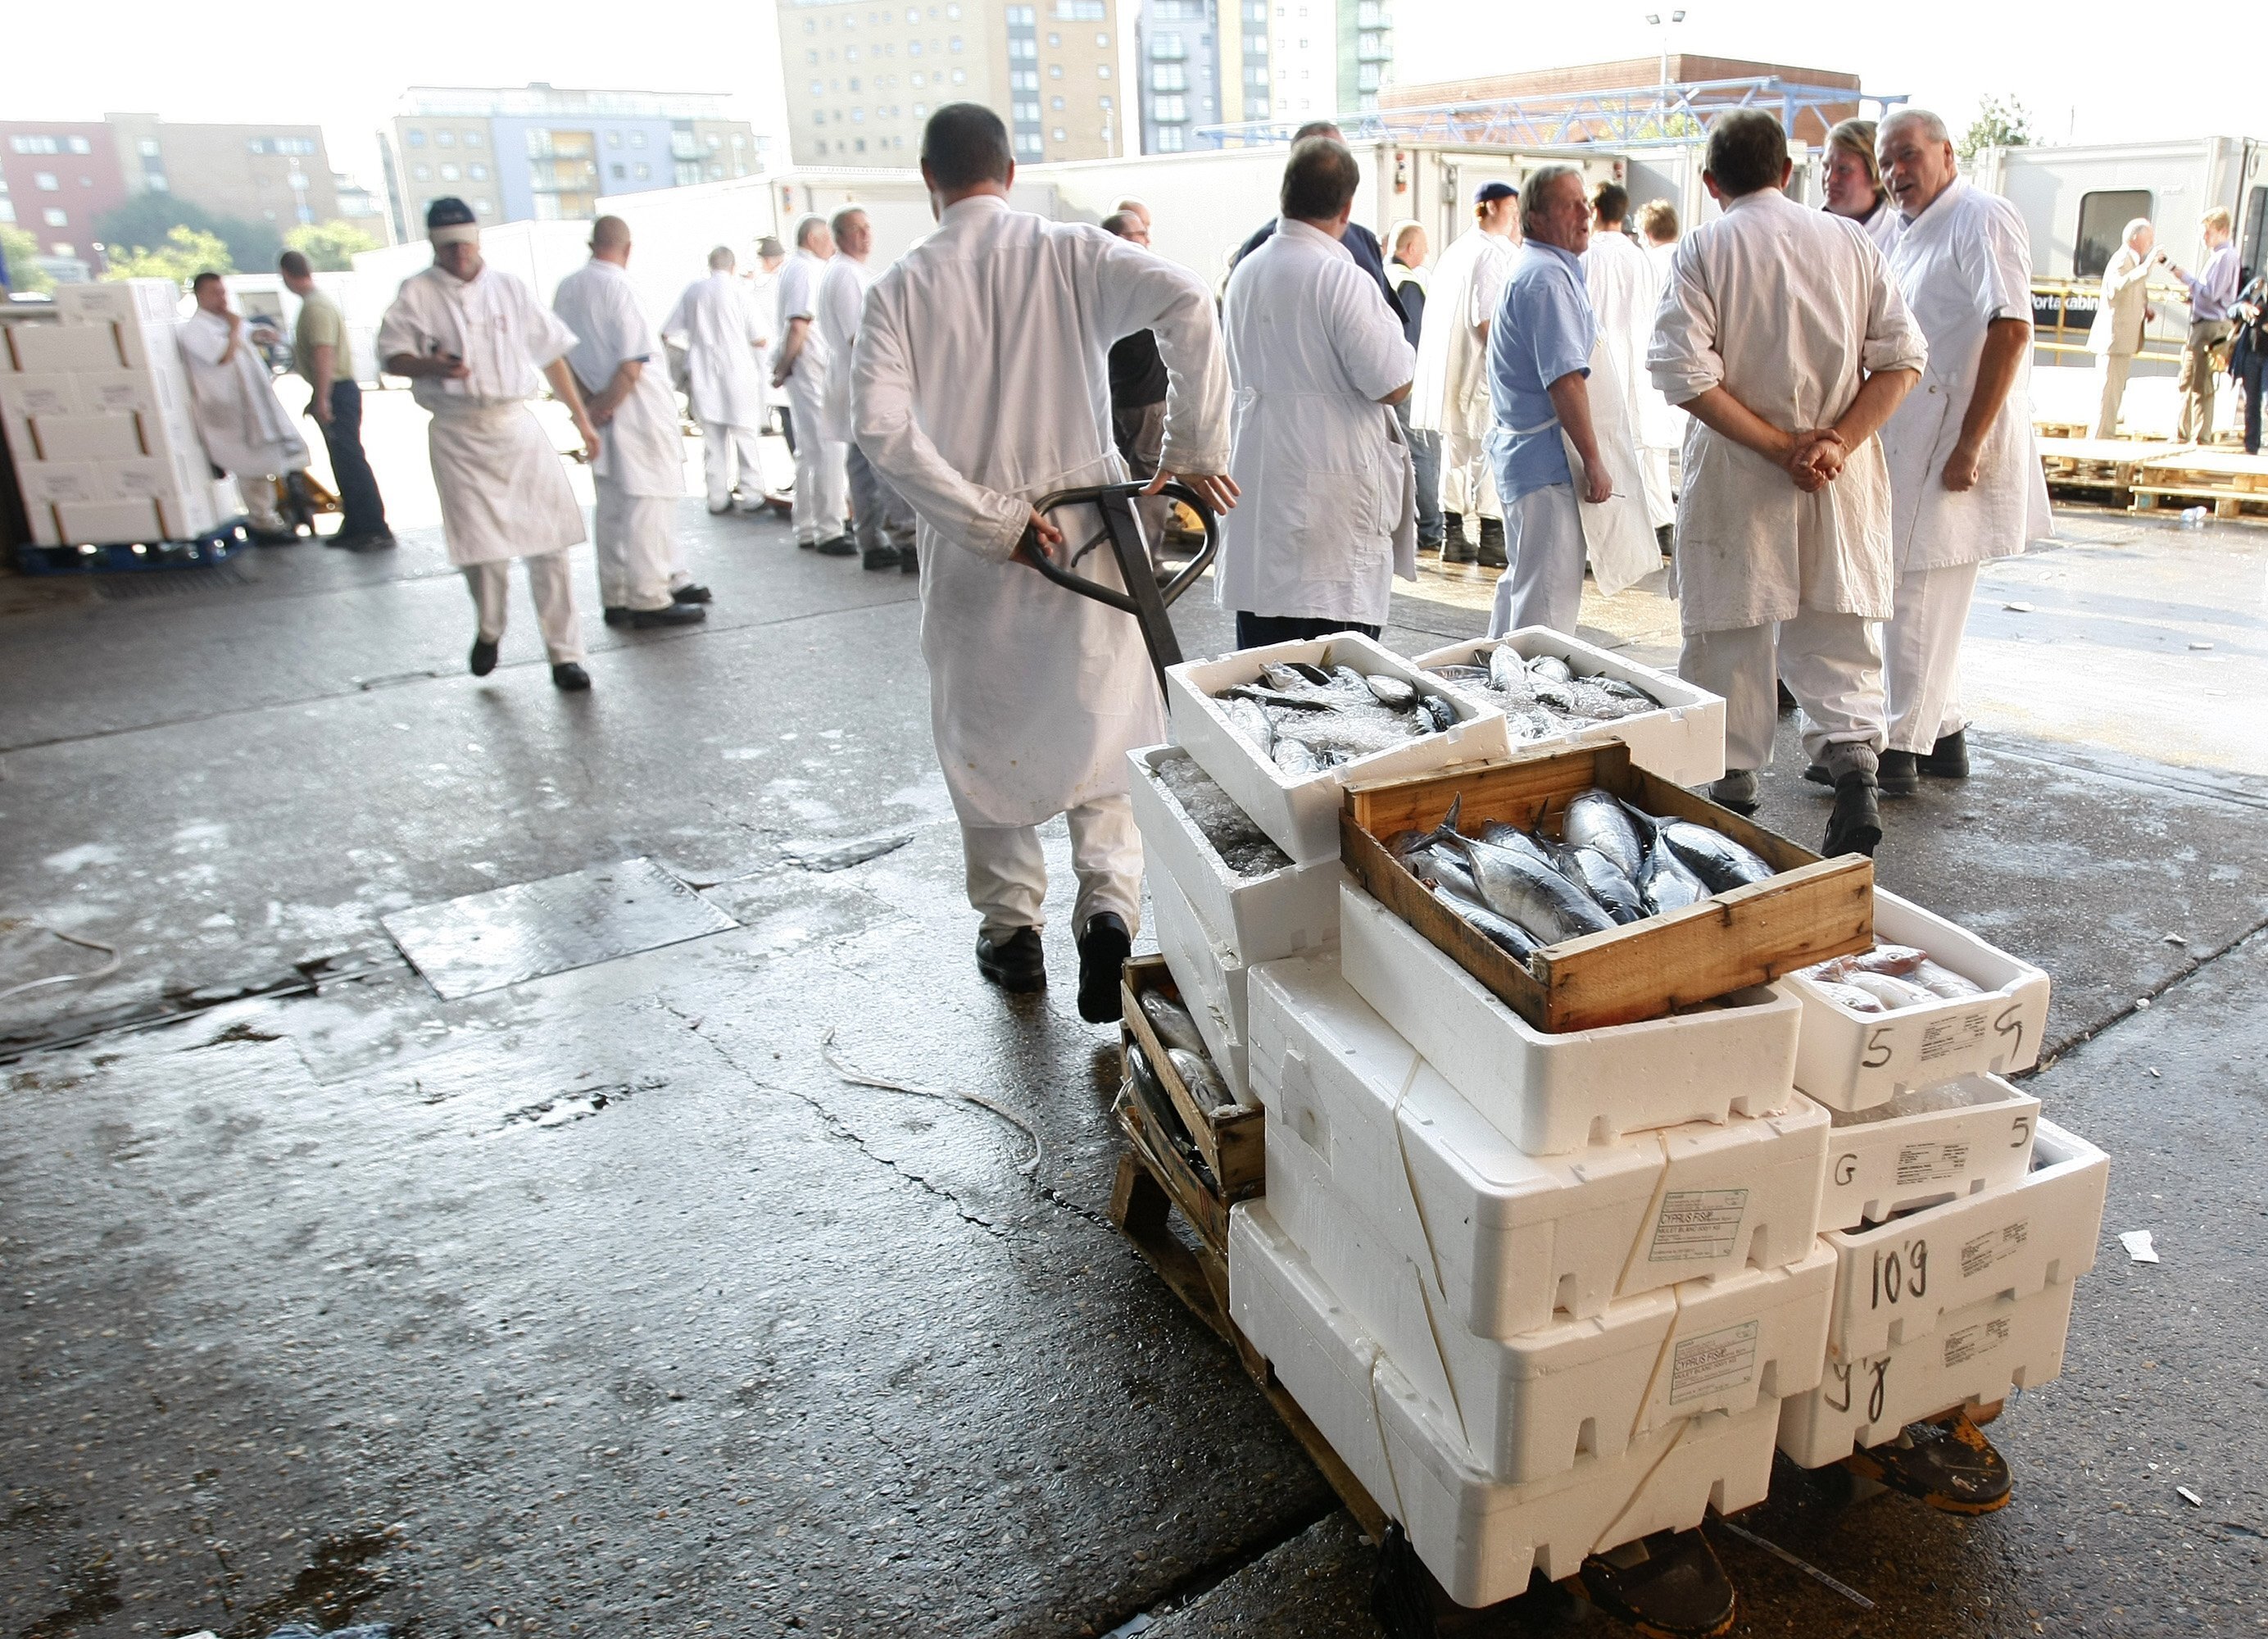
(622, 1300)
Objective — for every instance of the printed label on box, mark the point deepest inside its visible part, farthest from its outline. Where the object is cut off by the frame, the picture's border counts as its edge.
(1698, 1225)
(1971, 1343)
(1713, 1363)
(1957, 1034)
(1927, 1162)
(1988, 1248)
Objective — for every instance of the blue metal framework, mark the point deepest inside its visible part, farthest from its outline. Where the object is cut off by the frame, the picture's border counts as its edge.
(1633, 117)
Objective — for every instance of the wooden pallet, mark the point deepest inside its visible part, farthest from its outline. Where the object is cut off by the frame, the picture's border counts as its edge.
(2230, 480)
(2108, 464)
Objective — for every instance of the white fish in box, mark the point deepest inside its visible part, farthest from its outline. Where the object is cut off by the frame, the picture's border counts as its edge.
(1211, 982)
(1898, 1280)
(1532, 1405)
(1255, 917)
(1300, 812)
(1479, 1537)
(1510, 1238)
(1552, 1094)
(1683, 742)
(1851, 1060)
(1974, 1358)
(1927, 1146)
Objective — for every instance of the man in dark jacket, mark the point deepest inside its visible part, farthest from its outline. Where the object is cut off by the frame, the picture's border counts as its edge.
(1405, 275)
(1361, 243)
(1137, 396)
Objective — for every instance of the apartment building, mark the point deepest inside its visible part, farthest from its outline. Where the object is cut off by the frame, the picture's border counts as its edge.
(1230, 61)
(278, 174)
(862, 77)
(56, 179)
(537, 153)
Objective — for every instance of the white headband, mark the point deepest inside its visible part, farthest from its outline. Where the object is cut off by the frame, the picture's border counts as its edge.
(455, 234)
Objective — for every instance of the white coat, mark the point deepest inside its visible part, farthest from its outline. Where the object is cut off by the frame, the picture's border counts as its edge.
(246, 429)
(798, 297)
(503, 493)
(981, 382)
(1962, 263)
(1450, 394)
(1787, 309)
(1624, 285)
(722, 327)
(841, 294)
(642, 448)
(2120, 312)
(1884, 224)
(1328, 496)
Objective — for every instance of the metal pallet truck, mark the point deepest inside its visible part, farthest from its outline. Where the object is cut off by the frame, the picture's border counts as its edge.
(1669, 1584)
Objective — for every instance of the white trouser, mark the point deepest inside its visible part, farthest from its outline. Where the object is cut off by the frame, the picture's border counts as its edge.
(1921, 654)
(260, 508)
(883, 517)
(2110, 375)
(1832, 665)
(1008, 873)
(1542, 585)
(552, 587)
(635, 540)
(728, 457)
(821, 484)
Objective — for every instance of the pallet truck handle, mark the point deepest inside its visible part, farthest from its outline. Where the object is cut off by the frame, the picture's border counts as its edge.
(1145, 598)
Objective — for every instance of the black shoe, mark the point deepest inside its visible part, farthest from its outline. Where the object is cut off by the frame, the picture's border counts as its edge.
(274, 537)
(668, 614)
(690, 594)
(881, 558)
(568, 677)
(808, 546)
(1102, 952)
(1787, 700)
(1856, 826)
(1948, 758)
(484, 657)
(618, 614)
(382, 542)
(1457, 549)
(909, 561)
(1898, 774)
(1492, 545)
(1666, 538)
(1018, 963)
(841, 546)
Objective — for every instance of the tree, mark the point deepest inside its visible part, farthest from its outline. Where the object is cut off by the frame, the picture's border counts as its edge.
(1998, 124)
(328, 246)
(149, 219)
(186, 253)
(25, 277)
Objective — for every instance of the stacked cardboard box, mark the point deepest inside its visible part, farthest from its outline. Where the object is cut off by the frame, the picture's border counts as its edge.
(98, 416)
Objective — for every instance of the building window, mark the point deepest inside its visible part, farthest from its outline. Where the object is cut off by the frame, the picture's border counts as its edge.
(1170, 108)
(45, 181)
(637, 139)
(614, 139)
(441, 139)
(1055, 103)
(616, 170)
(2103, 219)
(416, 139)
(1372, 48)
(1169, 76)
(961, 77)
(473, 139)
(1055, 42)
(478, 173)
(954, 44)
(147, 147)
(1055, 70)
(921, 110)
(1365, 77)
(449, 173)
(7, 208)
(1103, 70)
(55, 218)
(33, 144)
(1079, 10)
(1167, 48)
(1102, 41)
(422, 172)
(1030, 146)
(1171, 139)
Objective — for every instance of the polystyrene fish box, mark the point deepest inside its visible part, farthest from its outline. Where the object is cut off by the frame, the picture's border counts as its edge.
(1531, 1406)
(1851, 1060)
(1300, 812)
(1514, 1241)
(65, 349)
(109, 523)
(185, 513)
(1552, 1093)
(52, 482)
(1983, 1142)
(153, 477)
(128, 301)
(1255, 919)
(1975, 1358)
(1683, 742)
(1211, 982)
(1480, 1537)
(24, 396)
(100, 437)
(1897, 1282)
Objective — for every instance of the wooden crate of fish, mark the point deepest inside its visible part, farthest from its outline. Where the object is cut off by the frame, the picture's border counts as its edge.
(1931, 1002)
(1250, 896)
(1282, 729)
(1214, 985)
(1931, 1145)
(1553, 689)
(1167, 1057)
(1681, 901)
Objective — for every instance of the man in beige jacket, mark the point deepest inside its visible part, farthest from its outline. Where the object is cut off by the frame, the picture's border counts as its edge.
(2120, 316)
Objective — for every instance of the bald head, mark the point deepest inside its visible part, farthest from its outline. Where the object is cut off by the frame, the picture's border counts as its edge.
(610, 239)
(722, 260)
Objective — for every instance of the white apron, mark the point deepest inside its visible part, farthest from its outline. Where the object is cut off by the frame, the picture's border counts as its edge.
(503, 491)
(1618, 534)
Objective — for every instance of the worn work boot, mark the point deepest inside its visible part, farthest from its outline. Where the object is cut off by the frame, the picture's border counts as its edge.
(484, 657)
(909, 559)
(1897, 774)
(838, 546)
(1856, 826)
(618, 614)
(1103, 948)
(880, 558)
(568, 677)
(1492, 544)
(1666, 538)
(1948, 758)
(1948, 1463)
(1455, 547)
(1736, 791)
(1018, 963)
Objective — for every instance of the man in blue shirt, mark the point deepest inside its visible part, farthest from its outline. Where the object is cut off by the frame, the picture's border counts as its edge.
(2213, 294)
(1539, 362)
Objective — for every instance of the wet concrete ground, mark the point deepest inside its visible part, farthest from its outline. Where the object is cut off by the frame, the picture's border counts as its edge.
(610, 1302)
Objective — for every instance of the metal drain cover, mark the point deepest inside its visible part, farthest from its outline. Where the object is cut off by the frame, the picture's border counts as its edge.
(488, 941)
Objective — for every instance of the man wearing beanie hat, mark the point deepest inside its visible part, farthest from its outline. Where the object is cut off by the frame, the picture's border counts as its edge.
(473, 339)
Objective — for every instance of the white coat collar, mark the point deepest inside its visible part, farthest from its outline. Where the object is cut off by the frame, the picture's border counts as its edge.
(1296, 231)
(1942, 207)
(967, 210)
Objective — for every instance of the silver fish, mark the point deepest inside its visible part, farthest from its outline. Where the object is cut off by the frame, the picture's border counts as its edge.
(1296, 756)
(1438, 867)
(1710, 855)
(1438, 712)
(1665, 883)
(1597, 876)
(1507, 936)
(1172, 1021)
(1597, 819)
(1507, 671)
(1504, 834)
(1514, 886)
(1391, 692)
(1549, 668)
(1246, 716)
(1198, 1075)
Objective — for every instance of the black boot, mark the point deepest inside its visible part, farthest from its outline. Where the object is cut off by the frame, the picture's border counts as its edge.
(1018, 963)
(1103, 948)
(1856, 826)
(1455, 547)
(1948, 758)
(1897, 774)
(1492, 544)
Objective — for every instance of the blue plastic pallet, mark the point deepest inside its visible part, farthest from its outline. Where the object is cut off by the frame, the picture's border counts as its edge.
(201, 551)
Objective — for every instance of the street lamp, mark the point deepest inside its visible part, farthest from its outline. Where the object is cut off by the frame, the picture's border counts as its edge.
(1662, 30)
